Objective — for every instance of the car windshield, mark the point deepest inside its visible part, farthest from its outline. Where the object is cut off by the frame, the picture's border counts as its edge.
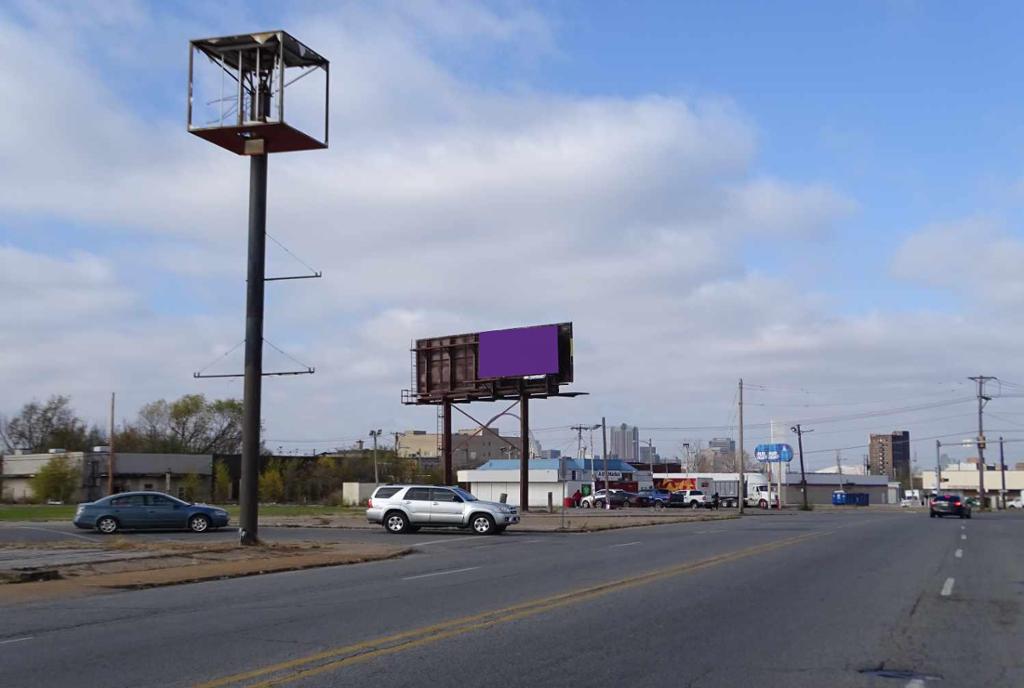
(465, 495)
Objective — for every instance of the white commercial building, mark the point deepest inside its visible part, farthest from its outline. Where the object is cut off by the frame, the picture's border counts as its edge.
(558, 477)
(964, 482)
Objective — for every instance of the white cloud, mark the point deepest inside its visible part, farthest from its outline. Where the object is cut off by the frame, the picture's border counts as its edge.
(976, 257)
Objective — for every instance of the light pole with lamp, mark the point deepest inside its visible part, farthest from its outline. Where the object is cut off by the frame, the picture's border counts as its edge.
(375, 434)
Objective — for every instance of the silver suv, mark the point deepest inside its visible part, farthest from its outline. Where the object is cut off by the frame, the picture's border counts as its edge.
(407, 508)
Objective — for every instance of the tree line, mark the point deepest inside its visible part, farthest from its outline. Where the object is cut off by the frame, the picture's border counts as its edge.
(189, 425)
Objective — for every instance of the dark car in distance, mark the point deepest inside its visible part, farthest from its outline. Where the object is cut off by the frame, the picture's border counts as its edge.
(147, 510)
(656, 496)
(636, 499)
(949, 505)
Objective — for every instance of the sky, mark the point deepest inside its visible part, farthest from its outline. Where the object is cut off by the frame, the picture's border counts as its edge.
(823, 199)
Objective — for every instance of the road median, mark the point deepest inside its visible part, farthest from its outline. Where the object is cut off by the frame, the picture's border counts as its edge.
(39, 573)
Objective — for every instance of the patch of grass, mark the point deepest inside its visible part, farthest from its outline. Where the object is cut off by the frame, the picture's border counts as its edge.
(37, 512)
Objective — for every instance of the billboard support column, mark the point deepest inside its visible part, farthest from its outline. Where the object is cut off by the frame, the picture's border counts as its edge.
(524, 458)
(446, 441)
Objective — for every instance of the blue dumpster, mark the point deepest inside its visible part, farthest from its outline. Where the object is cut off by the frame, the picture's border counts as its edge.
(839, 498)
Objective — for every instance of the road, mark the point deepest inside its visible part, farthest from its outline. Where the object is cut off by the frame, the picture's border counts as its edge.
(804, 599)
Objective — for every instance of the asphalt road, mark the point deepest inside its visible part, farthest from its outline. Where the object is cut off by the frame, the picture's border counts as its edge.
(813, 599)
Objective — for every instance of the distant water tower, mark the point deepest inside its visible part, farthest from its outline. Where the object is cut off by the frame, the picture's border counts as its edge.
(237, 93)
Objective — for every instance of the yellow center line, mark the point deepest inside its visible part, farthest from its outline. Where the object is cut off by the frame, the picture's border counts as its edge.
(335, 658)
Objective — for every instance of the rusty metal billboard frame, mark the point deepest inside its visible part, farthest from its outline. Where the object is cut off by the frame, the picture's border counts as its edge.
(445, 372)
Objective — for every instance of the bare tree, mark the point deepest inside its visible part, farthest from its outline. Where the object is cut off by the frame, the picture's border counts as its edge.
(41, 426)
(190, 425)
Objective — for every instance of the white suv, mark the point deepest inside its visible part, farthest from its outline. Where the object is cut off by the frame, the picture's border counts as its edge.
(407, 508)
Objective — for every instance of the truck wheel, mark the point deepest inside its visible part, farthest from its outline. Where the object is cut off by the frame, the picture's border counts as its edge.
(694, 505)
(763, 504)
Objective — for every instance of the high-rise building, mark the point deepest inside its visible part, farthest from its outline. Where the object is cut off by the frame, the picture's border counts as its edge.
(648, 454)
(889, 455)
(625, 443)
(723, 445)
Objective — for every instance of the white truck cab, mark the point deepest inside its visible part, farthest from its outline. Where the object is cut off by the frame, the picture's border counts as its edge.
(762, 496)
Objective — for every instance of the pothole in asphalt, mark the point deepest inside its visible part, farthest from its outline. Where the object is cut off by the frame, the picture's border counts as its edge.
(900, 674)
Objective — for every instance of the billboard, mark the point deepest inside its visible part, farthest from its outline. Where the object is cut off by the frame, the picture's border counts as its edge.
(519, 352)
(492, 365)
(773, 452)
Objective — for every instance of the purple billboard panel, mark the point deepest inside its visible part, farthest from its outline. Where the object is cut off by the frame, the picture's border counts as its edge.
(518, 352)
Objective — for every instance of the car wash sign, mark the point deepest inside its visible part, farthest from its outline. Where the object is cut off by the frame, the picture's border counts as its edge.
(773, 453)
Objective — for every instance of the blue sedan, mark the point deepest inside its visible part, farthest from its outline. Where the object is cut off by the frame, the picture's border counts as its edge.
(140, 510)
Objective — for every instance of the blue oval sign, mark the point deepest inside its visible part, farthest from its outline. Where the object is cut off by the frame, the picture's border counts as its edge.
(773, 452)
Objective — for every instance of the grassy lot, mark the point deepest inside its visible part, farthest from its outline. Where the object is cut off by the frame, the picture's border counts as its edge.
(64, 512)
(37, 512)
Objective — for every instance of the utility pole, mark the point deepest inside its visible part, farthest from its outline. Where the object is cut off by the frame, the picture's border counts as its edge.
(839, 468)
(1002, 472)
(604, 455)
(743, 482)
(803, 476)
(982, 400)
(579, 437)
(938, 466)
(375, 434)
(110, 459)
(650, 457)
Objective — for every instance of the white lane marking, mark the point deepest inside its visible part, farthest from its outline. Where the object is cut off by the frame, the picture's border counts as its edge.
(963, 527)
(447, 539)
(916, 683)
(441, 573)
(16, 640)
(56, 532)
(626, 544)
(959, 554)
(964, 536)
(947, 588)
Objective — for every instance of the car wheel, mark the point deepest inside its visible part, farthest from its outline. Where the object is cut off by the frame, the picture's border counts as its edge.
(107, 525)
(763, 504)
(659, 505)
(968, 514)
(482, 524)
(396, 522)
(599, 504)
(931, 514)
(199, 523)
(585, 504)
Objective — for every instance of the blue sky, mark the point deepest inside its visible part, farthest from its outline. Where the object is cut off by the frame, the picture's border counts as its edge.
(823, 196)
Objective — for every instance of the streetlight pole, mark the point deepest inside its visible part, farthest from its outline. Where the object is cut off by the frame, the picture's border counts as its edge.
(803, 476)
(376, 476)
(1002, 472)
(742, 485)
(604, 455)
